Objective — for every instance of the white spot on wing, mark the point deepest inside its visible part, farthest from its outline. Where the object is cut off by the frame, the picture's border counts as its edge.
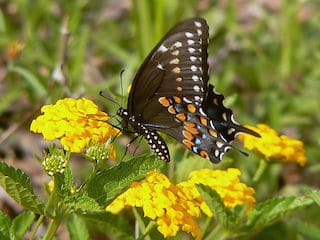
(160, 66)
(162, 48)
(189, 34)
(197, 24)
(191, 50)
(195, 78)
(177, 44)
(193, 68)
(186, 100)
(196, 88)
(193, 58)
(190, 42)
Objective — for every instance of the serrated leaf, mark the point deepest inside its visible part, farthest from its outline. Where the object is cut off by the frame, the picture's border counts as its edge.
(82, 204)
(21, 224)
(5, 225)
(63, 182)
(18, 185)
(270, 211)
(77, 228)
(108, 184)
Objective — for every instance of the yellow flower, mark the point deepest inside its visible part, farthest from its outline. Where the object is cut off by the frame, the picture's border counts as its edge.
(272, 146)
(75, 122)
(175, 207)
(225, 182)
(163, 202)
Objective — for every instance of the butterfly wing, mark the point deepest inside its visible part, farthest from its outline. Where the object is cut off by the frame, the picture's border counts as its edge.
(177, 66)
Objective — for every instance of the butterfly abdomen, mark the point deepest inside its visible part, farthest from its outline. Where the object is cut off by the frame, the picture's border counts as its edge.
(155, 141)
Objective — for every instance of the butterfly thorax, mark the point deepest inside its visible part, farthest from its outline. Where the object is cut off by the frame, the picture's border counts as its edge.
(134, 124)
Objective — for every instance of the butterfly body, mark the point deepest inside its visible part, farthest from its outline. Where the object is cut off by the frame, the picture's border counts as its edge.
(170, 94)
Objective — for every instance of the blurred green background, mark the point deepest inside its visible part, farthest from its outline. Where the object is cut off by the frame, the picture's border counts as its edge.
(264, 57)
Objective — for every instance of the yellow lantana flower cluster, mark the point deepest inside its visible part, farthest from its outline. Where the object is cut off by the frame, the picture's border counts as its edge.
(75, 122)
(272, 146)
(175, 207)
(225, 182)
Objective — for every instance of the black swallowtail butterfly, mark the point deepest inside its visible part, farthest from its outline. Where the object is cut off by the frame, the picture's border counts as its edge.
(170, 94)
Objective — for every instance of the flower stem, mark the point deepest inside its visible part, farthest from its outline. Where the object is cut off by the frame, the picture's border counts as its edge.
(36, 227)
(52, 228)
(261, 169)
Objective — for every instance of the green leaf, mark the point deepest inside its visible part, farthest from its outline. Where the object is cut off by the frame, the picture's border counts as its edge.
(214, 202)
(82, 204)
(108, 184)
(21, 224)
(18, 185)
(5, 225)
(227, 218)
(306, 229)
(114, 225)
(270, 211)
(314, 194)
(77, 228)
(36, 85)
(63, 182)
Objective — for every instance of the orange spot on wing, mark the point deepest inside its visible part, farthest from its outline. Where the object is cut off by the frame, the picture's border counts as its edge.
(164, 101)
(177, 99)
(191, 108)
(181, 116)
(187, 135)
(191, 130)
(189, 144)
(171, 110)
(189, 124)
(204, 154)
(213, 133)
(203, 121)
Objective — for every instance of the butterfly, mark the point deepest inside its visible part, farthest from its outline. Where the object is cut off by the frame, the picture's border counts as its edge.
(171, 94)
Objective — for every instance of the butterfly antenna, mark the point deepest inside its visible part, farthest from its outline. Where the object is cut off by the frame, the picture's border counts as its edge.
(121, 86)
(108, 97)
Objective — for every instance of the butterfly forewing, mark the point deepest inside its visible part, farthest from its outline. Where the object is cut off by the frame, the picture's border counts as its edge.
(176, 66)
